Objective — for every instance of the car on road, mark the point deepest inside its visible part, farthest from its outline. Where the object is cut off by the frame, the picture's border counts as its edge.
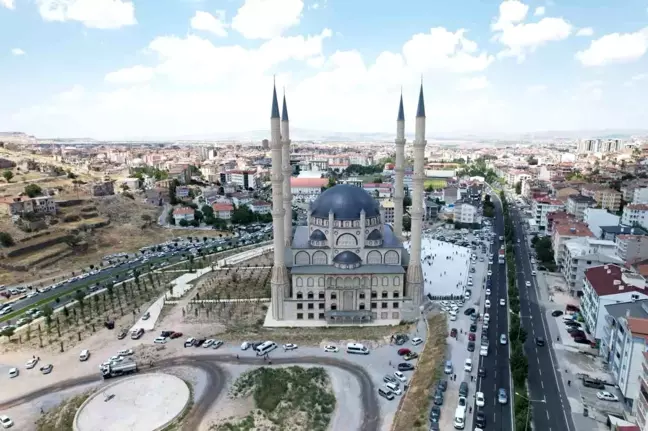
(190, 342)
(400, 376)
(13, 372)
(556, 313)
(540, 341)
(471, 346)
(480, 419)
(208, 343)
(503, 339)
(606, 396)
(468, 365)
(473, 328)
(488, 292)
(410, 356)
(481, 372)
(469, 311)
(122, 334)
(6, 422)
(388, 378)
(116, 359)
(489, 273)
(502, 302)
(331, 349)
(126, 352)
(487, 303)
(527, 284)
(405, 366)
(289, 346)
(46, 369)
(448, 367)
(416, 340)
(403, 352)
(479, 399)
(435, 414)
(146, 316)
(160, 340)
(502, 396)
(245, 345)
(217, 344)
(31, 363)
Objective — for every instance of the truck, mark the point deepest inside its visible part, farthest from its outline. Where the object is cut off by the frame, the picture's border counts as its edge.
(118, 369)
(501, 255)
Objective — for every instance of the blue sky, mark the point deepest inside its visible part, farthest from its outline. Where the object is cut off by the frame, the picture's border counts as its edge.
(117, 69)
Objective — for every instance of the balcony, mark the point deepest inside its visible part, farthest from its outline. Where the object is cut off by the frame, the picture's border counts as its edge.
(349, 316)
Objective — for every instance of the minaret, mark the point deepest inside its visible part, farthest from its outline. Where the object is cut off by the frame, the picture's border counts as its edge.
(415, 270)
(400, 170)
(287, 171)
(279, 281)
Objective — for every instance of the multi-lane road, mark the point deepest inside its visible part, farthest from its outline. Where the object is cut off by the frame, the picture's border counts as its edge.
(551, 411)
(496, 364)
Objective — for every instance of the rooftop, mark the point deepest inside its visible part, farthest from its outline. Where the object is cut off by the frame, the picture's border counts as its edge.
(582, 199)
(637, 325)
(573, 229)
(308, 182)
(608, 280)
(637, 207)
(635, 308)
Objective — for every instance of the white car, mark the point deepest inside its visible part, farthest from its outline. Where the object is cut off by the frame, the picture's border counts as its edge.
(479, 399)
(416, 341)
(502, 301)
(208, 343)
(331, 349)
(527, 284)
(160, 340)
(533, 272)
(606, 396)
(31, 363)
(503, 339)
(485, 325)
(487, 303)
(217, 344)
(245, 345)
(116, 359)
(126, 352)
(483, 351)
(486, 317)
(489, 273)
(468, 365)
(400, 376)
(289, 346)
(6, 421)
(13, 372)
(488, 292)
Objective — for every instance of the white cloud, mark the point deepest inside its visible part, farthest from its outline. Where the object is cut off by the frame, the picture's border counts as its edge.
(520, 38)
(636, 78)
(101, 14)
(474, 83)
(9, 4)
(615, 48)
(17, 51)
(265, 19)
(212, 23)
(540, 10)
(130, 75)
(536, 89)
(585, 31)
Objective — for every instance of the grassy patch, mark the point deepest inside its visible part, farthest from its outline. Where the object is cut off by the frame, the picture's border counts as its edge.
(413, 412)
(435, 184)
(293, 398)
(61, 418)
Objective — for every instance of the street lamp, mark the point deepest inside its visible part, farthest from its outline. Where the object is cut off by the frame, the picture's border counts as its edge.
(526, 423)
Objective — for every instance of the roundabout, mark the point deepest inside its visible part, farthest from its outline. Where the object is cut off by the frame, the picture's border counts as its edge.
(146, 402)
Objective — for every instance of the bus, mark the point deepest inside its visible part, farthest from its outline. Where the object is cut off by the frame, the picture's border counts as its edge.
(265, 348)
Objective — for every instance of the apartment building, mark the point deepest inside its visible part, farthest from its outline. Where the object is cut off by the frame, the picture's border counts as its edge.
(306, 189)
(588, 146)
(466, 213)
(596, 217)
(246, 179)
(640, 195)
(624, 342)
(583, 253)
(540, 207)
(22, 205)
(183, 213)
(632, 248)
(640, 407)
(557, 217)
(635, 214)
(564, 232)
(223, 210)
(387, 207)
(606, 198)
(606, 285)
(517, 176)
(378, 190)
(577, 204)
(260, 207)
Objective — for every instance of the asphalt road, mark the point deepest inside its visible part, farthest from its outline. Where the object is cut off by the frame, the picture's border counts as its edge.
(549, 413)
(497, 364)
(216, 376)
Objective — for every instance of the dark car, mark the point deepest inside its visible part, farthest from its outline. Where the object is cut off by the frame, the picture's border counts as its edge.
(435, 414)
(539, 341)
(166, 334)
(453, 332)
(469, 311)
(481, 372)
(471, 336)
(581, 340)
(175, 335)
(573, 324)
(434, 426)
(556, 313)
(480, 419)
(438, 398)
(471, 346)
(199, 342)
(593, 383)
(577, 334)
(473, 328)
(404, 366)
(442, 385)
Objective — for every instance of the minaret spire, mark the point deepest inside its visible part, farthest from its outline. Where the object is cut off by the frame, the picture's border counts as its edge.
(401, 111)
(399, 170)
(420, 110)
(284, 111)
(275, 104)
(286, 170)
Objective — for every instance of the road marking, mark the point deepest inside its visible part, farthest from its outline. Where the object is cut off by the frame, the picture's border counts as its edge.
(547, 411)
(542, 384)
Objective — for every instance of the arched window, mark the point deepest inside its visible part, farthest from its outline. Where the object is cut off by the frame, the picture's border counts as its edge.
(302, 258)
(397, 281)
(374, 258)
(319, 258)
(310, 282)
(385, 281)
(299, 295)
(300, 282)
(391, 258)
(309, 295)
(347, 240)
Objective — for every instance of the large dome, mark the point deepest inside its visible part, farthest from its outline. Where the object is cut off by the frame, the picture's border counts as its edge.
(347, 202)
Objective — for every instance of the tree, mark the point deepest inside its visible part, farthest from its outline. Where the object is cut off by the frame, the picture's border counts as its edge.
(33, 190)
(6, 239)
(207, 211)
(8, 175)
(518, 188)
(183, 223)
(378, 180)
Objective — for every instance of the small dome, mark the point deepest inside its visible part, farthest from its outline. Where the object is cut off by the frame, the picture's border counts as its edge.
(346, 202)
(318, 235)
(347, 258)
(375, 235)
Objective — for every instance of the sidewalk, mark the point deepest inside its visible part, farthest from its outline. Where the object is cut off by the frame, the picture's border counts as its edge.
(569, 363)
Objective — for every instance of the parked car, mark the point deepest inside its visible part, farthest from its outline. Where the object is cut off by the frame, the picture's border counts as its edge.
(453, 332)
(405, 366)
(190, 342)
(403, 352)
(289, 346)
(416, 341)
(175, 335)
(556, 313)
(31, 363)
(217, 344)
(122, 334)
(410, 356)
(593, 383)
(160, 340)
(6, 422)
(46, 369)
(606, 396)
(331, 349)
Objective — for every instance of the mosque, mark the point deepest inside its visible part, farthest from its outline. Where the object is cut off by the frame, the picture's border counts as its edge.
(347, 266)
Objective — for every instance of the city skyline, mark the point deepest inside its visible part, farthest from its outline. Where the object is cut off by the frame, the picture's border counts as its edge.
(200, 68)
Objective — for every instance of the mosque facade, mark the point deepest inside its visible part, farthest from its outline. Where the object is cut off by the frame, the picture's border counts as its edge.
(347, 266)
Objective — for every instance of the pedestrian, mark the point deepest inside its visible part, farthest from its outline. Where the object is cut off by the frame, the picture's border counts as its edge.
(237, 356)
(390, 364)
(568, 382)
(558, 339)
(471, 378)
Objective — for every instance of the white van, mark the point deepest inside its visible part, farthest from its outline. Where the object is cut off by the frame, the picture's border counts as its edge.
(460, 418)
(357, 348)
(394, 387)
(266, 348)
(85, 355)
